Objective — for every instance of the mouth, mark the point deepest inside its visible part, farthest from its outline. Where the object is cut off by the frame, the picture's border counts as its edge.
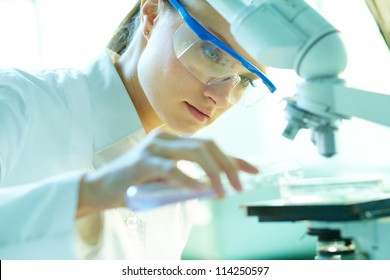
(197, 113)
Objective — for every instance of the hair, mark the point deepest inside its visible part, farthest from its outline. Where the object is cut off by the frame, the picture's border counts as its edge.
(124, 33)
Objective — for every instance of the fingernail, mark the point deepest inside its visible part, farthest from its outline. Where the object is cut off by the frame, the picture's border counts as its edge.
(238, 186)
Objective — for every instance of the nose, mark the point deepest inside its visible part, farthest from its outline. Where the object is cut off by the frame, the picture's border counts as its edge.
(221, 90)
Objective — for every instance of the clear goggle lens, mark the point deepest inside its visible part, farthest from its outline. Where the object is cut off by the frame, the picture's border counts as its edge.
(212, 66)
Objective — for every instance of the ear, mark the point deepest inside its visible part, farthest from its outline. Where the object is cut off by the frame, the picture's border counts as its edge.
(149, 14)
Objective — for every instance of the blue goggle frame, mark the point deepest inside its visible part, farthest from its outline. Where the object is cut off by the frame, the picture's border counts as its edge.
(205, 35)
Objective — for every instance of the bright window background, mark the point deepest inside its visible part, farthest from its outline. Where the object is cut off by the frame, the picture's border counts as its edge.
(70, 33)
(57, 33)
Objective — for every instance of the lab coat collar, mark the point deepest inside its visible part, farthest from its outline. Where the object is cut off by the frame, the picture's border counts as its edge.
(114, 116)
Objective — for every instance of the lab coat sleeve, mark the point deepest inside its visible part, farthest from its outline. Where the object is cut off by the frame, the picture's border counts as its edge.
(15, 121)
(37, 220)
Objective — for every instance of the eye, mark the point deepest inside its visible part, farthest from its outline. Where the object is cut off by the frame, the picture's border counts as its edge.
(245, 81)
(211, 53)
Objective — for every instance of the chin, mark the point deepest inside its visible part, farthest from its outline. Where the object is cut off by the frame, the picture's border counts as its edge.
(187, 130)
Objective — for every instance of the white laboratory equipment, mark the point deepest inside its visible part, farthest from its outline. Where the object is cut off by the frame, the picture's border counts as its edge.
(357, 229)
(290, 34)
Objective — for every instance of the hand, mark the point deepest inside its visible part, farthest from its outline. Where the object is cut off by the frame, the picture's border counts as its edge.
(155, 160)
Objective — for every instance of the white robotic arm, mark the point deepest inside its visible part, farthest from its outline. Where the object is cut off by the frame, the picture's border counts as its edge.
(290, 34)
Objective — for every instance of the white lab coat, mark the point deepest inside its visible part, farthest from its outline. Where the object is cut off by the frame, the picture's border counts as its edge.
(55, 126)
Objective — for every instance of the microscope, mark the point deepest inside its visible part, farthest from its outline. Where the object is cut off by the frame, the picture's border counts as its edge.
(290, 34)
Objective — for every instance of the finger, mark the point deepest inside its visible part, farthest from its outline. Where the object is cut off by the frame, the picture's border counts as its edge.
(246, 166)
(178, 178)
(195, 150)
(166, 170)
(209, 165)
(227, 164)
(198, 150)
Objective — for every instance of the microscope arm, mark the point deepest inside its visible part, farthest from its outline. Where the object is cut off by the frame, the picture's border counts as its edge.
(332, 99)
(368, 105)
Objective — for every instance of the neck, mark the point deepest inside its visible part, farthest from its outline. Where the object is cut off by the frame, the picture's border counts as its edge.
(126, 66)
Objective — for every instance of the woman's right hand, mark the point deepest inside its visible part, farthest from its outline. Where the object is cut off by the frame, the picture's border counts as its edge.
(155, 160)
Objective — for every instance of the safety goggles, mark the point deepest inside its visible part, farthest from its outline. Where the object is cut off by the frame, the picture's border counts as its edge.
(214, 63)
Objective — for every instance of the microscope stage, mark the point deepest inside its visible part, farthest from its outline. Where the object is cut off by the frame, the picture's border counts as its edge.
(280, 210)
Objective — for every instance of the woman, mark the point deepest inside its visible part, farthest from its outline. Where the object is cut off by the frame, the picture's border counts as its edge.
(72, 139)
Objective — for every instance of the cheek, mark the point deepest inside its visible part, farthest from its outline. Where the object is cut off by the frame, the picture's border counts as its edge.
(154, 69)
(161, 76)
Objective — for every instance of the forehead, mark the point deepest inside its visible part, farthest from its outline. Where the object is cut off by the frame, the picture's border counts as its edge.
(216, 24)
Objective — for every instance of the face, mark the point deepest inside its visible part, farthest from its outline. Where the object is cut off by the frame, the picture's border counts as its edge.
(178, 98)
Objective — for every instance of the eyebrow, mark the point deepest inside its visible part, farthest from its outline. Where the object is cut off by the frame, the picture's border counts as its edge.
(216, 34)
(220, 37)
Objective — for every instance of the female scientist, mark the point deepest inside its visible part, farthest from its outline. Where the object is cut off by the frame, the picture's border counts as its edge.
(72, 141)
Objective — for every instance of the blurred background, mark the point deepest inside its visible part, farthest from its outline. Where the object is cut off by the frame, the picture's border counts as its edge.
(70, 33)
